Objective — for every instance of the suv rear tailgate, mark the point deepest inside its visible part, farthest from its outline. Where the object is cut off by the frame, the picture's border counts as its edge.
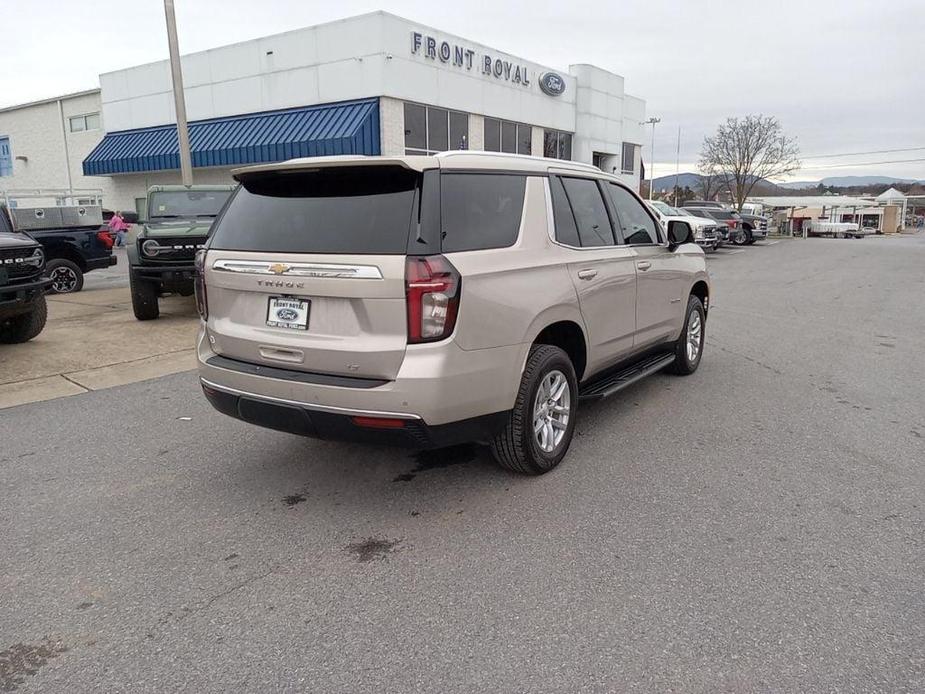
(356, 311)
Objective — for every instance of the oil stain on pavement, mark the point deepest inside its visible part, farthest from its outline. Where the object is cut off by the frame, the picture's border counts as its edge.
(372, 549)
(439, 458)
(23, 660)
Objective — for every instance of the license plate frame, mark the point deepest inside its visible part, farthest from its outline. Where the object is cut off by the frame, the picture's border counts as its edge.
(297, 319)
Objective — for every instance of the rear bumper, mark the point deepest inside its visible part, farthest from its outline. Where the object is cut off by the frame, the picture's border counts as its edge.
(100, 263)
(437, 384)
(303, 420)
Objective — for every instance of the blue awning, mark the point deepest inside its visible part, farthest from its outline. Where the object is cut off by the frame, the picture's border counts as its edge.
(350, 127)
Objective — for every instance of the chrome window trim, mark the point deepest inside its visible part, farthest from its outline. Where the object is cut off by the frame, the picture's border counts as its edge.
(307, 405)
(324, 270)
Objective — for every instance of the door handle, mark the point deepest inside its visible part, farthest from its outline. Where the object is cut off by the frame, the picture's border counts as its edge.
(643, 265)
(587, 274)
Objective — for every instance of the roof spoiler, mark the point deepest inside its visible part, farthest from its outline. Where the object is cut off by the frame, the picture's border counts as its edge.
(411, 163)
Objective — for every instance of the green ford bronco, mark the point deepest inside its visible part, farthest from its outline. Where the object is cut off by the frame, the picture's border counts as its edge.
(162, 254)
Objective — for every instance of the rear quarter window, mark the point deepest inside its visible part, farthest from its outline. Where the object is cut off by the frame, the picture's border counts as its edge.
(480, 211)
(363, 210)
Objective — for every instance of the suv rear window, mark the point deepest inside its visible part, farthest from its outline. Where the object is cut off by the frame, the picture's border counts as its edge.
(480, 210)
(362, 210)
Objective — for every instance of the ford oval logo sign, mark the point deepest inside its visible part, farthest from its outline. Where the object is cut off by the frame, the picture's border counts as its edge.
(287, 314)
(552, 84)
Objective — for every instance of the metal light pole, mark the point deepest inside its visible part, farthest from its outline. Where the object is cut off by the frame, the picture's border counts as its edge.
(652, 121)
(186, 161)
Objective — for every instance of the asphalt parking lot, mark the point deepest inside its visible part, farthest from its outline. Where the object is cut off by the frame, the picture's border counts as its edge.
(757, 526)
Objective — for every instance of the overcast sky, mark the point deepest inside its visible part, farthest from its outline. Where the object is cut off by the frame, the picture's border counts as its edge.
(842, 76)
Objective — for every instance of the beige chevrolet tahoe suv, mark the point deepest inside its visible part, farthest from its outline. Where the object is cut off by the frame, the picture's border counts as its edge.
(429, 301)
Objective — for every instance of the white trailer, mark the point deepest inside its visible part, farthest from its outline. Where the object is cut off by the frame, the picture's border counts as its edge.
(836, 230)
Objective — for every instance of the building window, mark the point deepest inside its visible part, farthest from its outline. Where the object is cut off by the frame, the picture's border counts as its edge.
(506, 136)
(6, 157)
(629, 157)
(90, 121)
(431, 130)
(557, 144)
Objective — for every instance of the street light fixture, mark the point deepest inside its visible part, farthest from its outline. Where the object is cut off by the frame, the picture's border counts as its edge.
(652, 121)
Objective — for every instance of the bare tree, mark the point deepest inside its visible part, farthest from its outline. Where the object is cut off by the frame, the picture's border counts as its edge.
(708, 184)
(747, 150)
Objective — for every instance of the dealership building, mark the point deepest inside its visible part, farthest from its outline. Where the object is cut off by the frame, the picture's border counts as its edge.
(372, 84)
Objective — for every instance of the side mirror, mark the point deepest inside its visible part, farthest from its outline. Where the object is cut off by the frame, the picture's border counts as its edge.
(679, 233)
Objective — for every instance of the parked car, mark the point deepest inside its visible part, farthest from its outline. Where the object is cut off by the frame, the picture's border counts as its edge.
(733, 232)
(72, 236)
(429, 301)
(755, 227)
(706, 231)
(711, 204)
(22, 287)
(161, 255)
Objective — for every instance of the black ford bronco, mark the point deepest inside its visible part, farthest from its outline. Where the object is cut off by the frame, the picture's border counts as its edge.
(22, 288)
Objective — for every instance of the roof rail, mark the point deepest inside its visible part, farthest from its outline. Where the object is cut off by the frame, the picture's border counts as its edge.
(510, 155)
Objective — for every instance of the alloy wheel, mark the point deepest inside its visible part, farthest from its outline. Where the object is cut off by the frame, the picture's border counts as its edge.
(63, 280)
(694, 336)
(551, 411)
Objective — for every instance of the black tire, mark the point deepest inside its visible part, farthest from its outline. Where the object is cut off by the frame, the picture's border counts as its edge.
(683, 365)
(25, 326)
(516, 448)
(66, 276)
(741, 237)
(144, 298)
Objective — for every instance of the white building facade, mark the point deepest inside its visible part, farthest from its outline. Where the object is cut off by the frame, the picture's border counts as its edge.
(372, 84)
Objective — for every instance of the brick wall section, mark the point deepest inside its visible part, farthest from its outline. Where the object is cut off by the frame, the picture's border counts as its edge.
(536, 141)
(391, 127)
(476, 132)
(35, 133)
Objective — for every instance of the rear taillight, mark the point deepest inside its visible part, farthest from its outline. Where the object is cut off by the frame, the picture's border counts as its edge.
(432, 287)
(199, 285)
(105, 238)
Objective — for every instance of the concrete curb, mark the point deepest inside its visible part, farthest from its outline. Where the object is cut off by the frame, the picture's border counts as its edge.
(99, 378)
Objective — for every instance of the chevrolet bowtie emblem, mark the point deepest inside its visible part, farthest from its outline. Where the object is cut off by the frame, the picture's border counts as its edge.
(279, 268)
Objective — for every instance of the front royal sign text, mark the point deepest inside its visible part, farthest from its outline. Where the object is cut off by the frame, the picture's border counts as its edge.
(467, 59)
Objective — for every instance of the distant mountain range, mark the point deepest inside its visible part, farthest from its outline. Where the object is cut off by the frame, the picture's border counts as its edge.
(690, 180)
(845, 181)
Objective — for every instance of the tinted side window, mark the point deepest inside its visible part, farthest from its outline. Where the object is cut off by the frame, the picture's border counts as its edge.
(638, 226)
(481, 210)
(566, 229)
(590, 213)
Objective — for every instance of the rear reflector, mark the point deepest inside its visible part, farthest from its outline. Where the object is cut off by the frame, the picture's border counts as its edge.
(378, 422)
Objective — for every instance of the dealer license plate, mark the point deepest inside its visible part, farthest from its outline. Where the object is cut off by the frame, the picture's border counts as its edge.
(285, 312)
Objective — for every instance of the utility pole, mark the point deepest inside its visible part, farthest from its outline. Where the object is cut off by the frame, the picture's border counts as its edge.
(677, 168)
(652, 121)
(186, 161)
